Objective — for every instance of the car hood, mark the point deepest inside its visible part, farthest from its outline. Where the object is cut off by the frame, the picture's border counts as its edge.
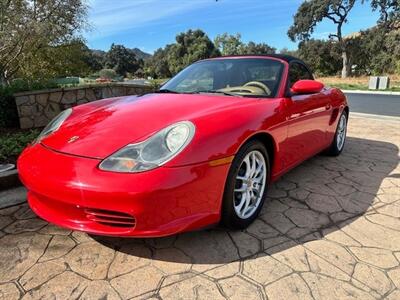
(99, 129)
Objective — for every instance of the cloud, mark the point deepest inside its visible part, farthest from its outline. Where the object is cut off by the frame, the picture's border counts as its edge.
(109, 17)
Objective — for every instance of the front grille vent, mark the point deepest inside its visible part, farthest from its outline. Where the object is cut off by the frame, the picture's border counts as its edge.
(110, 218)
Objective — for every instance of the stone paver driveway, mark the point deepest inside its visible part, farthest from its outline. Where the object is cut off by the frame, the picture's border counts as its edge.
(331, 230)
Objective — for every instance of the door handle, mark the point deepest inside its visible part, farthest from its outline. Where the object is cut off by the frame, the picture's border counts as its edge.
(328, 106)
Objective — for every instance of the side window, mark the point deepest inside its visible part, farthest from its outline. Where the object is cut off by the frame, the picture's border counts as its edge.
(297, 72)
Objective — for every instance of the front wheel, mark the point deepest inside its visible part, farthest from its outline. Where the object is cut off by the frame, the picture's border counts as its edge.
(246, 186)
(340, 136)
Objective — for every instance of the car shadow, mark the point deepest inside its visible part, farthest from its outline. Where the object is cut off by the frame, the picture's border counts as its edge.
(318, 198)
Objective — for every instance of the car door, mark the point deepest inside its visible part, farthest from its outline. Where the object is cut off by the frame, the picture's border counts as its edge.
(308, 118)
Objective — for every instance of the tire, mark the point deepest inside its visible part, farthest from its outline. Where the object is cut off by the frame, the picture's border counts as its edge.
(340, 136)
(244, 198)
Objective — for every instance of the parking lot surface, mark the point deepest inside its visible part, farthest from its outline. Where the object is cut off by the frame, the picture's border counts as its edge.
(330, 230)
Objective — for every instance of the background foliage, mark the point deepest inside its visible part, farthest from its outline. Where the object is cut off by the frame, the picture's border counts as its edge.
(12, 143)
(41, 41)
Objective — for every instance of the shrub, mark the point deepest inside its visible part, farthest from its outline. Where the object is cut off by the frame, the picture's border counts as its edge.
(398, 67)
(139, 73)
(108, 74)
(8, 108)
(12, 143)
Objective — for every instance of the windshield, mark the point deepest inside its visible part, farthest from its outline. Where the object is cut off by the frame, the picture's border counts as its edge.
(253, 77)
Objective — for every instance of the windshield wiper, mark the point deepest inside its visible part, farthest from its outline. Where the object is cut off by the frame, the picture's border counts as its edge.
(166, 91)
(216, 92)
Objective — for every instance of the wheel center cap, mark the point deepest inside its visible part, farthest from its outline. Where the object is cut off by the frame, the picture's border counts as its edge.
(249, 184)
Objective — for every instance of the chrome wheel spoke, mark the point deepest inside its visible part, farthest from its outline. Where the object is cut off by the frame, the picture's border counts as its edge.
(253, 165)
(241, 189)
(258, 171)
(242, 201)
(247, 203)
(246, 161)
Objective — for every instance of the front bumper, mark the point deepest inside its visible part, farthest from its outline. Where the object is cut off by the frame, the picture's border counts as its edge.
(62, 189)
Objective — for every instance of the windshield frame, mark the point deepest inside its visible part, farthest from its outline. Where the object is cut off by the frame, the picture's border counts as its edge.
(275, 94)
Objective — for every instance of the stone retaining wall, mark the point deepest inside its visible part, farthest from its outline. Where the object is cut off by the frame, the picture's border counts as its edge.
(37, 108)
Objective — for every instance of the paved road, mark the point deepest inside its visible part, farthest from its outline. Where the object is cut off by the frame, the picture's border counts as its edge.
(385, 105)
(330, 229)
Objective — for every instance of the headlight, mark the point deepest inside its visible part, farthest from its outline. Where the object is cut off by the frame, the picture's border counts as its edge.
(154, 152)
(54, 124)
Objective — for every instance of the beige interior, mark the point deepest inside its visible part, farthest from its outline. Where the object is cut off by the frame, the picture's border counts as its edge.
(255, 88)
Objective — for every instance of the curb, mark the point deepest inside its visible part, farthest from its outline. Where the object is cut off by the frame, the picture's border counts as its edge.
(11, 197)
(9, 179)
(377, 117)
(370, 92)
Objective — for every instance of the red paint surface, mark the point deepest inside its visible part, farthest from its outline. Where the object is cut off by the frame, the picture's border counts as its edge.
(63, 178)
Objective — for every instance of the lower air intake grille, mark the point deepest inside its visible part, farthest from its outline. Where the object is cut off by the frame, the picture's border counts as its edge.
(110, 218)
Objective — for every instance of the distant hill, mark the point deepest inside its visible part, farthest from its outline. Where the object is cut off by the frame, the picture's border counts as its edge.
(98, 52)
(140, 54)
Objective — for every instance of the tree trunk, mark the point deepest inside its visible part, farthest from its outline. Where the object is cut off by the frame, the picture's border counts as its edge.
(3, 80)
(346, 65)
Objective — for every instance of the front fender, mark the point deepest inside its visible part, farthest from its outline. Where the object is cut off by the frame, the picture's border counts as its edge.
(221, 134)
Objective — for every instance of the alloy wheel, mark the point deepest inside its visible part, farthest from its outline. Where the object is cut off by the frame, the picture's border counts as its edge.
(341, 132)
(250, 184)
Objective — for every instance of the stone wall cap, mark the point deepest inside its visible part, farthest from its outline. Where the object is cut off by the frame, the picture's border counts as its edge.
(81, 87)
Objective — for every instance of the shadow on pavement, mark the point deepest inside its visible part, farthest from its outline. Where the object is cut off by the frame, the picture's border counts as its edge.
(319, 197)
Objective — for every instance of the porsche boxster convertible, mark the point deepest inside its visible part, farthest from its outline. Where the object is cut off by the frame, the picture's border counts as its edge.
(200, 151)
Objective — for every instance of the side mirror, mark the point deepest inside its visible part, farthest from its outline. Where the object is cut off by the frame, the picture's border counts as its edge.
(306, 87)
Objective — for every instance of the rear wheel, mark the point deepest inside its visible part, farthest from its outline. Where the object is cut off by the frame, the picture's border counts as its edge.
(246, 186)
(340, 136)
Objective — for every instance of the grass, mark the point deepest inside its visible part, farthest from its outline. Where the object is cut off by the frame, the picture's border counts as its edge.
(13, 141)
(358, 83)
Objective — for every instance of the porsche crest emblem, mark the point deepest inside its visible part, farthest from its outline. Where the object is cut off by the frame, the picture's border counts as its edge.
(73, 139)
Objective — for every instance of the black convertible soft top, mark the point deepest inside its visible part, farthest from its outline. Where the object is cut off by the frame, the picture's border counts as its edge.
(287, 58)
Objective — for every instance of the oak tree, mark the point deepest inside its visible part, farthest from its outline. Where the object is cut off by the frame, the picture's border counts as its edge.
(389, 11)
(312, 12)
(121, 59)
(233, 45)
(28, 27)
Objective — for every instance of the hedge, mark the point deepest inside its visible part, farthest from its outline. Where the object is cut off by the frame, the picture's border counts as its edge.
(8, 109)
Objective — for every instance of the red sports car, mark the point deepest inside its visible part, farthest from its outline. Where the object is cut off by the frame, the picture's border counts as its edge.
(201, 150)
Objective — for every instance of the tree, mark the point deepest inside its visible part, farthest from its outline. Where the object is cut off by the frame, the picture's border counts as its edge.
(95, 59)
(229, 44)
(190, 46)
(157, 65)
(389, 13)
(121, 59)
(323, 57)
(286, 51)
(312, 12)
(68, 59)
(233, 45)
(381, 43)
(108, 74)
(29, 27)
(381, 50)
(258, 49)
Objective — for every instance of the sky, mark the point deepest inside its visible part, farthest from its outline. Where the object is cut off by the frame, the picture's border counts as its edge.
(151, 24)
